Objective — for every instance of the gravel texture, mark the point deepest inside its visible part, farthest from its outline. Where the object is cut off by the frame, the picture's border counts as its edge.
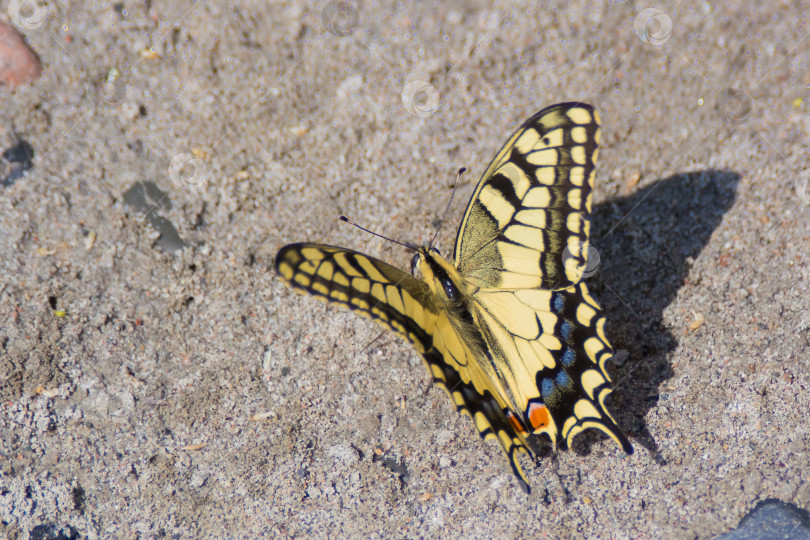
(157, 380)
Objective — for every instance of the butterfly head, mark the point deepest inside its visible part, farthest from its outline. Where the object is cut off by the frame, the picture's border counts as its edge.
(441, 276)
(419, 258)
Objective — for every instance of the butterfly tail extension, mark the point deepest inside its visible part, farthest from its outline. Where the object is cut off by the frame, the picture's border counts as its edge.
(489, 418)
(609, 427)
(589, 414)
(582, 327)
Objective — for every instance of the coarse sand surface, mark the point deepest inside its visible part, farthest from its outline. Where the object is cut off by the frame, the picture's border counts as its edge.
(157, 380)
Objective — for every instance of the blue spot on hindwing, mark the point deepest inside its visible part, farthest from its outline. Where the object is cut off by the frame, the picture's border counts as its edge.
(547, 388)
(568, 357)
(558, 303)
(566, 330)
(563, 380)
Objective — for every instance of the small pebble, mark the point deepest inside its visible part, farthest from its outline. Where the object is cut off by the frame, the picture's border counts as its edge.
(18, 63)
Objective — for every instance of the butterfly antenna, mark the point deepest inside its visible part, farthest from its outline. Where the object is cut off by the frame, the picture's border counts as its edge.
(350, 222)
(446, 210)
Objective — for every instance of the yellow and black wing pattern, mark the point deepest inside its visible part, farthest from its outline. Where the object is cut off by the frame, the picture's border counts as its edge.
(509, 329)
(405, 304)
(527, 225)
(522, 249)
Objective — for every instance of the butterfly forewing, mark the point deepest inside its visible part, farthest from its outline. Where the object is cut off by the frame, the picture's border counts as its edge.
(527, 225)
(363, 284)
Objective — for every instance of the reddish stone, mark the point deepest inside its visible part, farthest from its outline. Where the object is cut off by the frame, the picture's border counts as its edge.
(18, 63)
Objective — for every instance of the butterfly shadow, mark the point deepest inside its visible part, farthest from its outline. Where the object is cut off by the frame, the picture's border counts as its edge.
(647, 243)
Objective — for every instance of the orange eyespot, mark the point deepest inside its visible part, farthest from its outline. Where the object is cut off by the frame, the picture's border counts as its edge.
(538, 416)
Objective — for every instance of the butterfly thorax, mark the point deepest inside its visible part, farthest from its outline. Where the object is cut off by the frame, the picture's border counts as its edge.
(452, 292)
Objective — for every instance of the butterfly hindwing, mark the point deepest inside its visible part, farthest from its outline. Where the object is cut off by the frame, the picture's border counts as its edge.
(528, 222)
(550, 351)
(488, 415)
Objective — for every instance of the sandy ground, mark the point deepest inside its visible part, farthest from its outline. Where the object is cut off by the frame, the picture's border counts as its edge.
(157, 380)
